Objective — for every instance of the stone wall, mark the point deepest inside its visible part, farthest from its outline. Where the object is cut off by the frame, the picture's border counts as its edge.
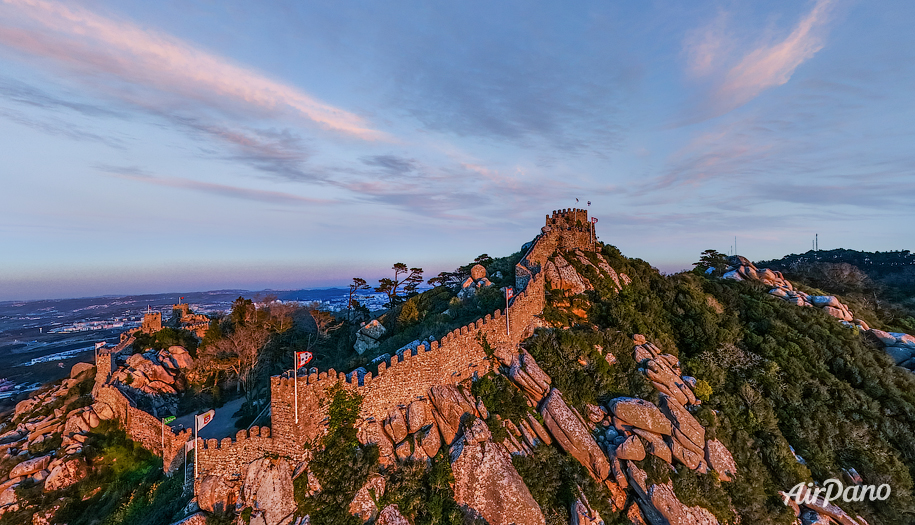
(105, 360)
(229, 457)
(457, 357)
(144, 428)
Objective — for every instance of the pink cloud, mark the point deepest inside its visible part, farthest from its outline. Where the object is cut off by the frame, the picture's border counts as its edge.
(773, 65)
(95, 45)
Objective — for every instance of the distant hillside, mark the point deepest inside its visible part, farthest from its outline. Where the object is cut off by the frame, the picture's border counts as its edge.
(881, 282)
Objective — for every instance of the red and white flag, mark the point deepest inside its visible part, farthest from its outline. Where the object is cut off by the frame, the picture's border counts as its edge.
(509, 292)
(594, 220)
(302, 359)
(205, 418)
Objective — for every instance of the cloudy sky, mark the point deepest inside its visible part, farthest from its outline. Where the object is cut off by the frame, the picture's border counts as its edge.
(194, 145)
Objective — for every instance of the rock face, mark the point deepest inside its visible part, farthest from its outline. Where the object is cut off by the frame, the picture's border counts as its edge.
(268, 490)
(900, 347)
(368, 336)
(27, 468)
(215, 494)
(525, 373)
(473, 283)
(674, 512)
(640, 414)
(486, 483)
(742, 269)
(79, 368)
(363, 505)
(720, 460)
(573, 436)
(66, 474)
(450, 407)
(391, 516)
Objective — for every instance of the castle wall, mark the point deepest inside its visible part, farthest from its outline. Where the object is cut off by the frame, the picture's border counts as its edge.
(458, 356)
(144, 428)
(230, 457)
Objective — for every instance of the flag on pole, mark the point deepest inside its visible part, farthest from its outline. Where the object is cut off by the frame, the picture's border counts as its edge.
(594, 220)
(509, 292)
(302, 359)
(168, 420)
(189, 445)
(205, 418)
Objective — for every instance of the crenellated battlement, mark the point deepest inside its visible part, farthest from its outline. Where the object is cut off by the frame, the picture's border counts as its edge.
(299, 403)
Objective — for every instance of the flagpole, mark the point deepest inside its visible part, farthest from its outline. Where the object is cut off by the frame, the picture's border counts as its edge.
(295, 382)
(195, 447)
(508, 331)
(163, 443)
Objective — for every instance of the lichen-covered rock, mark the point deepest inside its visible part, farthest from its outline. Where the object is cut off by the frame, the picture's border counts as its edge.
(720, 460)
(371, 432)
(417, 415)
(27, 468)
(532, 380)
(631, 449)
(396, 425)
(683, 420)
(268, 488)
(665, 502)
(640, 414)
(66, 474)
(391, 515)
(573, 436)
(363, 504)
(655, 444)
(216, 494)
(486, 484)
(102, 410)
(368, 336)
(450, 406)
(429, 440)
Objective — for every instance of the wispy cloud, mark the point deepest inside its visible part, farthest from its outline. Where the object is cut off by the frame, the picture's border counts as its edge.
(271, 197)
(768, 65)
(773, 65)
(93, 45)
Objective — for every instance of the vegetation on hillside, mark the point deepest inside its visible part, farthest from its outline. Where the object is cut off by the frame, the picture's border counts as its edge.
(780, 377)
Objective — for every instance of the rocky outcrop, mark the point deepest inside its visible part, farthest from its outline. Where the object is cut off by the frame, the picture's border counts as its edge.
(267, 489)
(368, 336)
(742, 269)
(639, 413)
(582, 513)
(450, 407)
(391, 515)
(899, 346)
(486, 484)
(525, 373)
(476, 281)
(216, 494)
(27, 468)
(363, 504)
(573, 436)
(720, 460)
(66, 474)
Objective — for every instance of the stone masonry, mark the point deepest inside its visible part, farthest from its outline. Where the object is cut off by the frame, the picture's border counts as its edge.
(457, 357)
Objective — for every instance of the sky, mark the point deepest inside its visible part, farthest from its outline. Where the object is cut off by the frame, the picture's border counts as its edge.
(194, 145)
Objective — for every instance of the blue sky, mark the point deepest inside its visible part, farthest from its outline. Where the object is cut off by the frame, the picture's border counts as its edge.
(167, 146)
